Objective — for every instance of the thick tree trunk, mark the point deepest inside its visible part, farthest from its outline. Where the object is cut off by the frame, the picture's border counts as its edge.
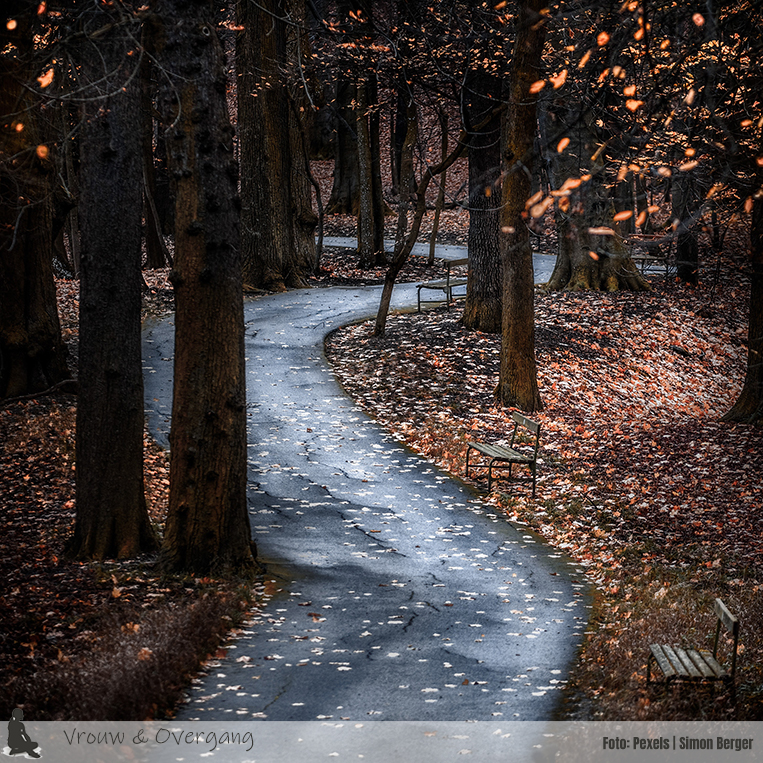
(518, 382)
(208, 523)
(366, 221)
(112, 521)
(303, 255)
(371, 208)
(591, 254)
(276, 253)
(482, 311)
(32, 353)
(345, 192)
(749, 407)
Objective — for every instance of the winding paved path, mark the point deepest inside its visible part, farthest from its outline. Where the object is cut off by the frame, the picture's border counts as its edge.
(402, 596)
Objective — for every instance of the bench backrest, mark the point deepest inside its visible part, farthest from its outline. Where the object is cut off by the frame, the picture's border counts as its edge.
(731, 624)
(529, 424)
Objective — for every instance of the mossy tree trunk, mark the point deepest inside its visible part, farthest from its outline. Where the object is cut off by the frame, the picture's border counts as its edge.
(518, 381)
(207, 526)
(112, 521)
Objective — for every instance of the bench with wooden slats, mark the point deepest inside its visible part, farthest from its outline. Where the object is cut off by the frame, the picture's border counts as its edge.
(501, 457)
(698, 665)
(447, 284)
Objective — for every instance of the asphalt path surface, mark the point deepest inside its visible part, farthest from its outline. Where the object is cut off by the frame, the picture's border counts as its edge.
(398, 593)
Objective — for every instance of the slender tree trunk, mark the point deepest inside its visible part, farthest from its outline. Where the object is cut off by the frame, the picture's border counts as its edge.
(518, 382)
(371, 207)
(112, 521)
(208, 523)
(404, 243)
(749, 407)
(440, 203)
(379, 206)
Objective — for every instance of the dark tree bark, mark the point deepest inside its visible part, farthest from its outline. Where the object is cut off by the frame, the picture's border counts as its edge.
(371, 204)
(371, 207)
(157, 254)
(381, 210)
(366, 222)
(686, 203)
(748, 408)
(345, 192)
(112, 521)
(32, 353)
(304, 252)
(482, 311)
(274, 184)
(518, 381)
(208, 523)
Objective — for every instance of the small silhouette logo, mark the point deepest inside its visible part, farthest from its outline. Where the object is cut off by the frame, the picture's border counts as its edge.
(19, 742)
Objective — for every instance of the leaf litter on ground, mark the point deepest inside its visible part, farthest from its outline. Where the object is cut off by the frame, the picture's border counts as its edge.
(641, 481)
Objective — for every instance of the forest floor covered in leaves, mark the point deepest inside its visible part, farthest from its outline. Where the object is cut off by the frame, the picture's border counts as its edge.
(641, 482)
(69, 626)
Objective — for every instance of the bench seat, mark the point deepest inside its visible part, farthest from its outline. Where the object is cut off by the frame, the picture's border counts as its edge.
(502, 456)
(678, 663)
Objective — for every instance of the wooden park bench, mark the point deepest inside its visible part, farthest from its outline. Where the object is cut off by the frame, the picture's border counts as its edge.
(447, 284)
(697, 665)
(502, 457)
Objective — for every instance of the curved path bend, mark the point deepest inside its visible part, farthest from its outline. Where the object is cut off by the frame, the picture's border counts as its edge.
(401, 595)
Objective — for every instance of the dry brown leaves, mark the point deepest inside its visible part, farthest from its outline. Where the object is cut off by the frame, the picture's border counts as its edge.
(633, 385)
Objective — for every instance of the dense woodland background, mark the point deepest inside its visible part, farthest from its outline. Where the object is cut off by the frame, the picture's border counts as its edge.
(195, 136)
